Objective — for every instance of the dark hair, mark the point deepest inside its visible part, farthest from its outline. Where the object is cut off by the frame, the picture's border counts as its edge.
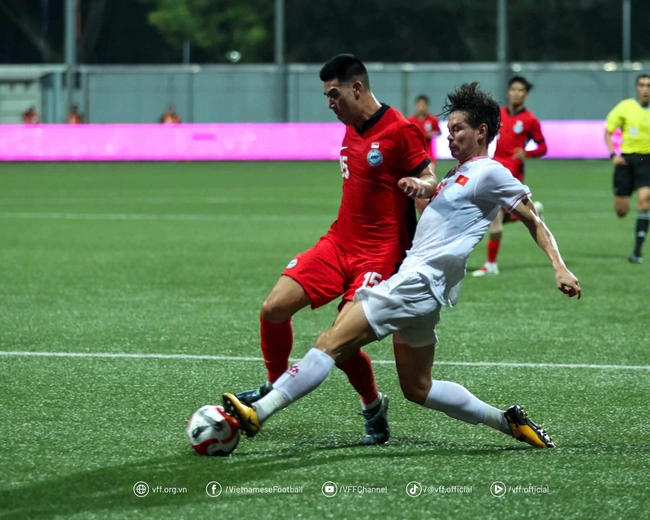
(422, 97)
(347, 68)
(479, 107)
(520, 79)
(640, 77)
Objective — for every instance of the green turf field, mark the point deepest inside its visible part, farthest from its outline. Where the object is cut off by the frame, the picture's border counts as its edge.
(175, 259)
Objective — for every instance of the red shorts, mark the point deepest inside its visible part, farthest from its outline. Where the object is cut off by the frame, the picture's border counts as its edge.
(515, 167)
(326, 271)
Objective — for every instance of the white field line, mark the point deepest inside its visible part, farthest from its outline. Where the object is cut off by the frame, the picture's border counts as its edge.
(124, 355)
(180, 218)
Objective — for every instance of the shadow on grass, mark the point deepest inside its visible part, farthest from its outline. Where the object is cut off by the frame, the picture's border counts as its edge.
(109, 490)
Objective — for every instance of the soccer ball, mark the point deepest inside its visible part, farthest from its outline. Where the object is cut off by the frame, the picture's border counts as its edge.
(211, 431)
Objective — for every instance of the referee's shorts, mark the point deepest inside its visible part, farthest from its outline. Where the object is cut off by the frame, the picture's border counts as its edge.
(633, 175)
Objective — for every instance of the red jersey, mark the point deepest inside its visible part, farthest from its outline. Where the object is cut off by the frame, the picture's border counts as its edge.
(516, 130)
(428, 124)
(376, 216)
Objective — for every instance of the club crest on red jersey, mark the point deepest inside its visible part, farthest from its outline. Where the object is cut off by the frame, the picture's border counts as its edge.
(375, 157)
(518, 127)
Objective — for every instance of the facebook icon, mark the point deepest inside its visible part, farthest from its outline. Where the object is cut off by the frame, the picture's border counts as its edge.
(213, 489)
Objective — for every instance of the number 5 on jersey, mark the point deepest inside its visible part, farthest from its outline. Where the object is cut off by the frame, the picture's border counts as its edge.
(371, 279)
(345, 171)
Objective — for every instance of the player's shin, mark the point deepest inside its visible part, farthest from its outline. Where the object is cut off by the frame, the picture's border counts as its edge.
(641, 232)
(358, 368)
(301, 379)
(458, 402)
(493, 250)
(276, 343)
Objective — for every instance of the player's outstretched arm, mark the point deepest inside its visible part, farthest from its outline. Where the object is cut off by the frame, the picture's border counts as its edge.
(421, 187)
(565, 280)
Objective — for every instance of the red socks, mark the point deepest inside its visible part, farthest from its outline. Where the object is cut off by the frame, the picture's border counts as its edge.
(493, 251)
(359, 371)
(276, 342)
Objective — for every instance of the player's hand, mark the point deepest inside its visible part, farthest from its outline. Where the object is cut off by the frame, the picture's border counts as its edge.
(414, 188)
(567, 283)
(619, 160)
(520, 154)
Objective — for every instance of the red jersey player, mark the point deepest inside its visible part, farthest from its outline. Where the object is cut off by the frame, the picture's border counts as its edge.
(518, 126)
(383, 162)
(428, 123)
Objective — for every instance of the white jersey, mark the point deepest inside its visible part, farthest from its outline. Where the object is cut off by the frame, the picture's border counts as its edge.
(453, 223)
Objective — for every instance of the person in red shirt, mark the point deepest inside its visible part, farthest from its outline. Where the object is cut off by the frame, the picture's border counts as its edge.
(518, 126)
(384, 165)
(426, 122)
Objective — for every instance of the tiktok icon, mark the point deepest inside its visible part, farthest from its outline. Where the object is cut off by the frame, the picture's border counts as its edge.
(414, 489)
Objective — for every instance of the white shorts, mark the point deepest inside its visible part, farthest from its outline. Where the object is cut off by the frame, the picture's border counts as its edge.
(403, 304)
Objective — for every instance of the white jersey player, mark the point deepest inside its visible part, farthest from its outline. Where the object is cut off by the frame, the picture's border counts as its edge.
(464, 204)
(409, 303)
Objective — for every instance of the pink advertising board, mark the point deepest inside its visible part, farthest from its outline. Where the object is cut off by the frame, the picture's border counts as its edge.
(237, 142)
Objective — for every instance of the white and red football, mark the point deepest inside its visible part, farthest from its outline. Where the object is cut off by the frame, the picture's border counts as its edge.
(211, 431)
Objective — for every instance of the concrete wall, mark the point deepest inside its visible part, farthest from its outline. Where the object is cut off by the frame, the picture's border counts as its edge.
(260, 93)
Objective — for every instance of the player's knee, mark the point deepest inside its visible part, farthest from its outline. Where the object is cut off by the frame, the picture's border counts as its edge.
(414, 392)
(644, 203)
(275, 310)
(622, 206)
(495, 228)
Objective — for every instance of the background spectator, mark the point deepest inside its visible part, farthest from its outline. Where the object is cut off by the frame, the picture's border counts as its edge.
(31, 117)
(170, 116)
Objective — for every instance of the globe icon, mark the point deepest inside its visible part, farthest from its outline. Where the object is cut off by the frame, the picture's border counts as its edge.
(141, 489)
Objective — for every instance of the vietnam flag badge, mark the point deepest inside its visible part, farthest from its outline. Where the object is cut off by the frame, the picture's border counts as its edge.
(462, 180)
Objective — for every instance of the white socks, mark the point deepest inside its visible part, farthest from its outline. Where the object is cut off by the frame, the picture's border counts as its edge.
(458, 402)
(370, 406)
(447, 397)
(269, 404)
(299, 380)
